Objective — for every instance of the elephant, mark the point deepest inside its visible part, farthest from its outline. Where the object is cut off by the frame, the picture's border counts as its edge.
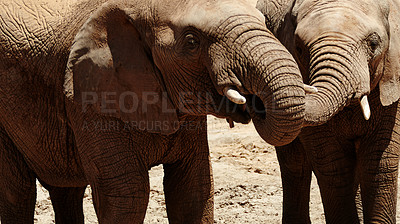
(96, 92)
(349, 53)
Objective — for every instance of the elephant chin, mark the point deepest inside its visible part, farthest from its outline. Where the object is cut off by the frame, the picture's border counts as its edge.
(240, 116)
(233, 112)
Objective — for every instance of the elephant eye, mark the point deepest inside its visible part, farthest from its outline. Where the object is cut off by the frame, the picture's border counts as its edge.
(373, 42)
(374, 45)
(299, 46)
(192, 42)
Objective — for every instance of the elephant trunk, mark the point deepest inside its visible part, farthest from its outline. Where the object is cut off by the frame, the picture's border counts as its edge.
(338, 77)
(269, 77)
(280, 117)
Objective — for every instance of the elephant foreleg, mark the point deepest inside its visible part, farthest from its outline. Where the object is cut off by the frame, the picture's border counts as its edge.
(379, 186)
(188, 183)
(296, 181)
(379, 158)
(334, 164)
(115, 165)
(17, 185)
(67, 203)
(189, 192)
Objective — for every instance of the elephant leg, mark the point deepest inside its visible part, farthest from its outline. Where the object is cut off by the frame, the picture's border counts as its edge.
(67, 203)
(334, 164)
(379, 157)
(17, 184)
(296, 181)
(188, 184)
(120, 185)
(115, 165)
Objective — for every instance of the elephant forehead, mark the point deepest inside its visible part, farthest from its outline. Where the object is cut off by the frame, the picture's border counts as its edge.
(339, 21)
(344, 21)
(357, 8)
(206, 15)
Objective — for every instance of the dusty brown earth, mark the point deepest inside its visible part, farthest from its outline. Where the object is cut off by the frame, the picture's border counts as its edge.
(247, 182)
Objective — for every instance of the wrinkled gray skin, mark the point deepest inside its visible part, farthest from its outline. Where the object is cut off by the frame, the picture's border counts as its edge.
(347, 49)
(94, 93)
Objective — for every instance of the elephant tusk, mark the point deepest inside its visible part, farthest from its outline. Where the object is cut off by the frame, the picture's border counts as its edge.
(365, 107)
(234, 96)
(310, 89)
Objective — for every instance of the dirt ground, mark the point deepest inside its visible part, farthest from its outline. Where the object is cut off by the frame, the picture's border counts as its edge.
(247, 182)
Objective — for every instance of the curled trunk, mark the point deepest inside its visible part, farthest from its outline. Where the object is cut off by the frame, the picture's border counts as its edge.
(338, 77)
(269, 77)
(279, 118)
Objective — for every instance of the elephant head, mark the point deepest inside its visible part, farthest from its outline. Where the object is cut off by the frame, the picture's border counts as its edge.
(344, 48)
(153, 61)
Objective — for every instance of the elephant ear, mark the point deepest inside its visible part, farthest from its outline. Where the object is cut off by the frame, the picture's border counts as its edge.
(279, 18)
(110, 69)
(389, 85)
(275, 13)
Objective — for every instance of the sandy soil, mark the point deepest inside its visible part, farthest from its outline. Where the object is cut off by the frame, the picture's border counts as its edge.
(247, 182)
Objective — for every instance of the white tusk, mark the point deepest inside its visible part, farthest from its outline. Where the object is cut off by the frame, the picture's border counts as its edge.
(234, 96)
(310, 89)
(365, 107)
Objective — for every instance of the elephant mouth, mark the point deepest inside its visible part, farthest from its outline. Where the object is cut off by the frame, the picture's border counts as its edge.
(242, 107)
(233, 112)
(253, 109)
